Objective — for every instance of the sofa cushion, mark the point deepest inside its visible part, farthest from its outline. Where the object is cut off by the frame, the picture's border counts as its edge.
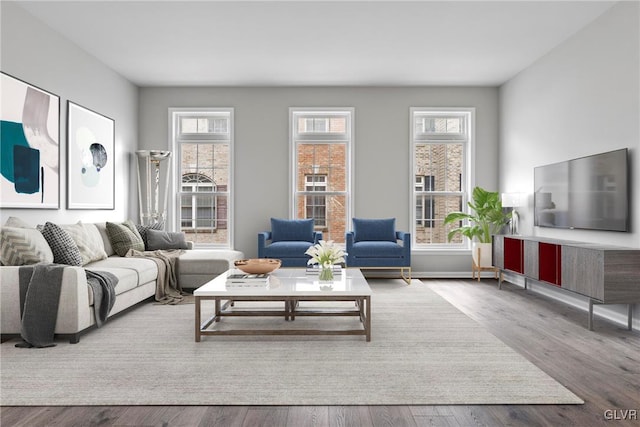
(124, 237)
(145, 270)
(22, 246)
(165, 240)
(379, 249)
(287, 230)
(287, 249)
(207, 261)
(374, 230)
(65, 250)
(127, 280)
(88, 239)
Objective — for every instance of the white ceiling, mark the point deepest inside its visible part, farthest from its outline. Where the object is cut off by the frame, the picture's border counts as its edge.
(243, 43)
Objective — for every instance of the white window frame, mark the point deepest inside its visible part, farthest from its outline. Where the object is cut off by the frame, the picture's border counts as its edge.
(176, 138)
(321, 137)
(467, 138)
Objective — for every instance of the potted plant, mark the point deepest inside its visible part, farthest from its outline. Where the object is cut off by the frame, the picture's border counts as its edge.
(325, 254)
(486, 218)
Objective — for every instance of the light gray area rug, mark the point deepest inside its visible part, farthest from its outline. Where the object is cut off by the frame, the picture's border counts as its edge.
(423, 351)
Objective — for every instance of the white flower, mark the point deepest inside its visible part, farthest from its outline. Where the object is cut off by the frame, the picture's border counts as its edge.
(325, 253)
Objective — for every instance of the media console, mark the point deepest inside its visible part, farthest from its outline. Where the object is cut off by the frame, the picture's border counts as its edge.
(604, 274)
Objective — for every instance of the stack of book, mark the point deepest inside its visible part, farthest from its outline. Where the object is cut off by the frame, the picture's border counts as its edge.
(247, 280)
(315, 269)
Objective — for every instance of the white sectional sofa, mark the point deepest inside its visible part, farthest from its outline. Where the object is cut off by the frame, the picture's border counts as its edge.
(137, 282)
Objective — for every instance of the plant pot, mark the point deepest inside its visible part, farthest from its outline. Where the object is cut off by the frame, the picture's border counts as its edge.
(482, 254)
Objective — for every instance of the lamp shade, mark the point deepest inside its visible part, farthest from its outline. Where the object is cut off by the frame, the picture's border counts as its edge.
(512, 200)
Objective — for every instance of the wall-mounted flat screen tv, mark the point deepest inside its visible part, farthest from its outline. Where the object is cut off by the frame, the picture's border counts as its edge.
(586, 193)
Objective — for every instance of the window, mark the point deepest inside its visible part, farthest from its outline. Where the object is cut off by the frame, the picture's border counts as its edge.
(316, 206)
(321, 168)
(442, 127)
(203, 125)
(197, 211)
(424, 202)
(203, 143)
(441, 148)
(319, 125)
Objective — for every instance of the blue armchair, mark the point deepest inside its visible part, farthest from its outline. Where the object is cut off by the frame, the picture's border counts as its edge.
(373, 244)
(290, 239)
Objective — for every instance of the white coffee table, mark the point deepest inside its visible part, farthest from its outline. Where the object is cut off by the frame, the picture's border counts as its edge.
(290, 285)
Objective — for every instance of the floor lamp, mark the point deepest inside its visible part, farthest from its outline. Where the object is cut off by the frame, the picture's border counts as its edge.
(153, 171)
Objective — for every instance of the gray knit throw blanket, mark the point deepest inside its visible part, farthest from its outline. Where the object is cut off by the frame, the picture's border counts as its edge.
(40, 287)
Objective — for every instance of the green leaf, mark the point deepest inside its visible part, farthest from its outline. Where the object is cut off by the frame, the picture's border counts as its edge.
(485, 218)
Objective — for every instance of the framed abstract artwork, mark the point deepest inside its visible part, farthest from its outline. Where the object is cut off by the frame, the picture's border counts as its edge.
(90, 159)
(29, 146)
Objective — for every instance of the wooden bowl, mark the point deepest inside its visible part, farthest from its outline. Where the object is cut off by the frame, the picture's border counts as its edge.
(258, 265)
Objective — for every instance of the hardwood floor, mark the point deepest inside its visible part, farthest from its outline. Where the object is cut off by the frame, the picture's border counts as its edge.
(602, 367)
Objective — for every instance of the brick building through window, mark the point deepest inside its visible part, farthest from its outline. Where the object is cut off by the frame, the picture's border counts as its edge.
(203, 140)
(440, 146)
(321, 142)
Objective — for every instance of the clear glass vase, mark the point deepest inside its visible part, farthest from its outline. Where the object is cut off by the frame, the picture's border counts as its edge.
(326, 273)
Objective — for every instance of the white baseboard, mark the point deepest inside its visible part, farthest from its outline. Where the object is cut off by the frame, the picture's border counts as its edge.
(448, 275)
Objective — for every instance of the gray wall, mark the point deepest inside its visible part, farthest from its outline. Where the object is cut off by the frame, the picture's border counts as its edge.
(33, 52)
(582, 98)
(382, 167)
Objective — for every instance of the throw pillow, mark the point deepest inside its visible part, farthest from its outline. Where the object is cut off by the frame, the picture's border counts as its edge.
(88, 240)
(13, 221)
(96, 238)
(142, 229)
(65, 250)
(131, 226)
(288, 230)
(374, 229)
(22, 246)
(124, 237)
(165, 240)
(102, 229)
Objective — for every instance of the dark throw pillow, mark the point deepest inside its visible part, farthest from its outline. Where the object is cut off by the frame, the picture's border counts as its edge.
(65, 250)
(142, 229)
(165, 240)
